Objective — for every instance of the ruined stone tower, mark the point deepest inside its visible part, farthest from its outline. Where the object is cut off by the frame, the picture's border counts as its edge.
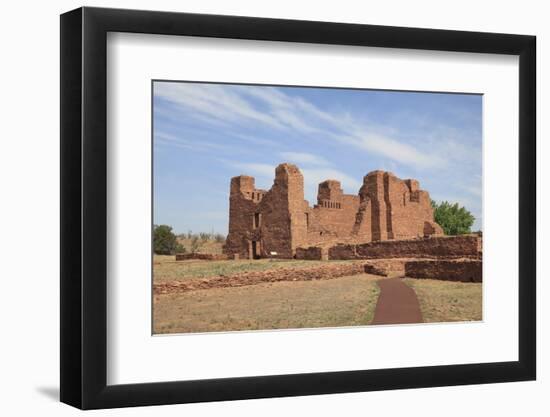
(280, 220)
(262, 221)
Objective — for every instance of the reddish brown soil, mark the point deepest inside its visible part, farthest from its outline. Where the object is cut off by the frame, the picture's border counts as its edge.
(397, 303)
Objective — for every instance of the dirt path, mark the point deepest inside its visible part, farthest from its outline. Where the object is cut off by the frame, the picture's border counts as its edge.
(397, 303)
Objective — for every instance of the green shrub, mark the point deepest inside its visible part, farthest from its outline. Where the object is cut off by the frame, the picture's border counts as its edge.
(454, 220)
(164, 240)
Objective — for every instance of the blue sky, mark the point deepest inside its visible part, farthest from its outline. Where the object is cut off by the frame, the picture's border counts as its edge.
(204, 134)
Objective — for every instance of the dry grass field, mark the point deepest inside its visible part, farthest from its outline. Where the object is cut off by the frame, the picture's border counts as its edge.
(445, 301)
(346, 301)
(166, 268)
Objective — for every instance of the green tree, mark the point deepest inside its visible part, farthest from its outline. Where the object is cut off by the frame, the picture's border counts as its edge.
(454, 220)
(165, 241)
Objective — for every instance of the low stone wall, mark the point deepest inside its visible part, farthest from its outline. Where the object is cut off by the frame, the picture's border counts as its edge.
(464, 246)
(465, 270)
(313, 253)
(201, 256)
(342, 251)
(328, 271)
(386, 267)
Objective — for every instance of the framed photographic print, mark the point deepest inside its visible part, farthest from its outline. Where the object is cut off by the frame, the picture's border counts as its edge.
(258, 207)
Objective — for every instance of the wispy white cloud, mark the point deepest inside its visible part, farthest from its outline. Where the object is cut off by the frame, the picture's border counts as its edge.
(303, 158)
(269, 106)
(393, 149)
(306, 117)
(474, 190)
(286, 104)
(317, 169)
(174, 116)
(254, 169)
(182, 142)
(255, 140)
(213, 101)
(314, 176)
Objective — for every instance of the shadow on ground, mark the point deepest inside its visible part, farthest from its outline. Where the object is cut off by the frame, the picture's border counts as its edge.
(50, 392)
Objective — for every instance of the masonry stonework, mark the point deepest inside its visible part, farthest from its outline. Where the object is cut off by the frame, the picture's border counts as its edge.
(448, 247)
(280, 220)
(465, 270)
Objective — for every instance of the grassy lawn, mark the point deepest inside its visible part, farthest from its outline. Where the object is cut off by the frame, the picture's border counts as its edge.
(346, 301)
(444, 301)
(166, 268)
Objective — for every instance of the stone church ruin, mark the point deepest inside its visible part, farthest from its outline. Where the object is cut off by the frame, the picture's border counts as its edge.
(280, 221)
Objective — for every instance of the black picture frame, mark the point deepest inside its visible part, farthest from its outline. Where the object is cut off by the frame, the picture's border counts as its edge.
(84, 207)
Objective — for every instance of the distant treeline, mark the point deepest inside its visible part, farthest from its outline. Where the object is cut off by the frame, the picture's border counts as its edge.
(204, 236)
(165, 242)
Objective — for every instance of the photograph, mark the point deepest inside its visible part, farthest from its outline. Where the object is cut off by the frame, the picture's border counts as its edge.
(295, 207)
(272, 205)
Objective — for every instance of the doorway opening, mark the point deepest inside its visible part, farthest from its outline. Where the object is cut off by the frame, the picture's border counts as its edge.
(255, 250)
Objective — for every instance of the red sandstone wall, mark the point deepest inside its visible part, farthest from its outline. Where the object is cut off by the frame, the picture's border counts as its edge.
(373, 191)
(283, 226)
(329, 191)
(386, 267)
(313, 253)
(272, 221)
(332, 223)
(463, 270)
(342, 251)
(408, 215)
(399, 210)
(444, 246)
(243, 201)
(386, 208)
(362, 229)
(297, 206)
(201, 256)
